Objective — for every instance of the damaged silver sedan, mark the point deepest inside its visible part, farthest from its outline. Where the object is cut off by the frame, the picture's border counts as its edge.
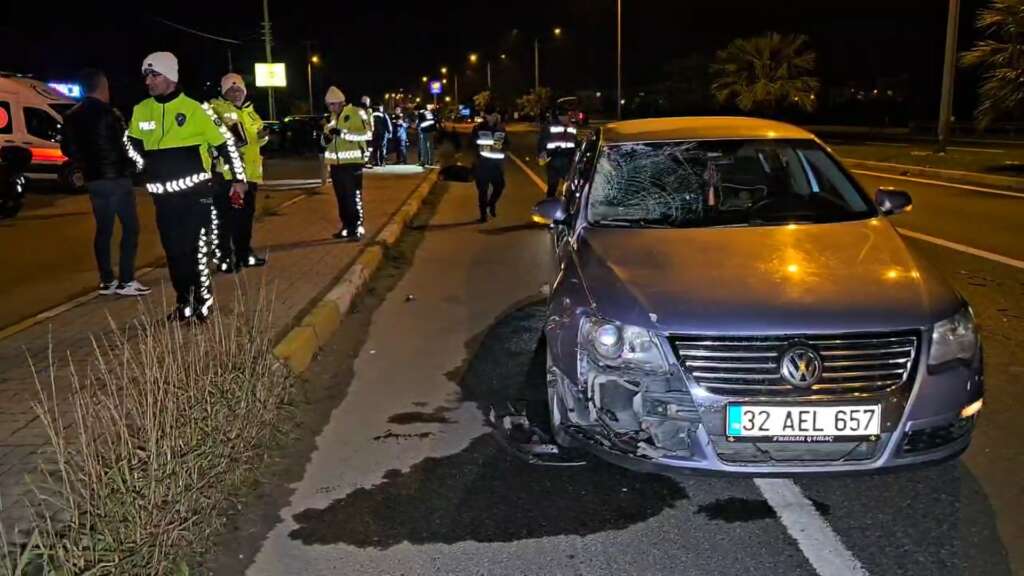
(728, 299)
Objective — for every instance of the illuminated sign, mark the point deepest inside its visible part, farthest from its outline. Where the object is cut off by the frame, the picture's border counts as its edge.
(67, 89)
(435, 86)
(270, 75)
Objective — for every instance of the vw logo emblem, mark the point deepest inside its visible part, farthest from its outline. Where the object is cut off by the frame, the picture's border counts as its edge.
(801, 367)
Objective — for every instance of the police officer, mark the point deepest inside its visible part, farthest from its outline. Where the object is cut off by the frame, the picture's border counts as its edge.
(556, 148)
(237, 213)
(381, 136)
(169, 138)
(346, 138)
(364, 104)
(426, 125)
(491, 141)
(400, 133)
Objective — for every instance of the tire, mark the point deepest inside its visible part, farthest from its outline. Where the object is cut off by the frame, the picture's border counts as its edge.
(557, 412)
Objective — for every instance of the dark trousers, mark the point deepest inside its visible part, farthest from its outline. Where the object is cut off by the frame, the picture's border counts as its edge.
(380, 150)
(114, 198)
(426, 148)
(186, 222)
(234, 242)
(347, 180)
(490, 183)
(558, 170)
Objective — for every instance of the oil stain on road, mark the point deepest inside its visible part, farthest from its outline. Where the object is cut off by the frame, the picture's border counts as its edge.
(483, 493)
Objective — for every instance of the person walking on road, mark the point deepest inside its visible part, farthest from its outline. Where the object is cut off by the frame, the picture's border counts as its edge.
(170, 137)
(426, 126)
(94, 141)
(346, 138)
(237, 212)
(400, 133)
(381, 136)
(556, 148)
(491, 141)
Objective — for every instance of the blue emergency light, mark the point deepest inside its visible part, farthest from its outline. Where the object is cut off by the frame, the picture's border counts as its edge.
(68, 89)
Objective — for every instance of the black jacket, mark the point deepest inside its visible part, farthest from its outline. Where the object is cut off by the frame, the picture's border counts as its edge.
(93, 139)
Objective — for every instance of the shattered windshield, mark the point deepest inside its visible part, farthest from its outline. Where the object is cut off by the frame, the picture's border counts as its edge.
(712, 183)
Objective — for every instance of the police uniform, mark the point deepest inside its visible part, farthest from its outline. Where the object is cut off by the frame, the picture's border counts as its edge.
(170, 138)
(346, 138)
(246, 127)
(558, 142)
(426, 125)
(491, 142)
(381, 135)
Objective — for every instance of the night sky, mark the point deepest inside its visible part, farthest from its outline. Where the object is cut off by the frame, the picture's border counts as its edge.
(374, 47)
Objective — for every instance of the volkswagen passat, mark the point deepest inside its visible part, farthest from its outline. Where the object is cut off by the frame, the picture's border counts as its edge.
(729, 299)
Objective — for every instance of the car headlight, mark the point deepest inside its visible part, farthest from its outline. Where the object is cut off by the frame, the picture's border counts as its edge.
(954, 339)
(622, 345)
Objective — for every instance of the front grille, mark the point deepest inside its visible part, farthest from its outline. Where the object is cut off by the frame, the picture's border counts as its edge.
(740, 366)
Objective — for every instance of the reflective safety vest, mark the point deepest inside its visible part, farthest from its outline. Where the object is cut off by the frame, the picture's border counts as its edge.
(350, 146)
(245, 126)
(170, 140)
(557, 141)
(426, 122)
(491, 141)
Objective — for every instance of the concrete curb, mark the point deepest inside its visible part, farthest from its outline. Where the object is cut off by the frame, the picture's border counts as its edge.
(300, 345)
(976, 178)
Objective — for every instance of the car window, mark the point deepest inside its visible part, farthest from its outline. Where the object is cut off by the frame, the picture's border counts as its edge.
(62, 108)
(6, 121)
(692, 184)
(41, 124)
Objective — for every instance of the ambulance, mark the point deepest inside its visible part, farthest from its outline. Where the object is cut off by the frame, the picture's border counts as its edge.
(31, 116)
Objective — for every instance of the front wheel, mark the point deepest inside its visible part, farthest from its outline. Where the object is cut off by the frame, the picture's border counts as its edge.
(556, 408)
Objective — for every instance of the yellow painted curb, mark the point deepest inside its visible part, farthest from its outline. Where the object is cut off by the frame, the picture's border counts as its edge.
(297, 348)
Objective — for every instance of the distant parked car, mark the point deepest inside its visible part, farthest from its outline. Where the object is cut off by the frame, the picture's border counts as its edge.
(302, 134)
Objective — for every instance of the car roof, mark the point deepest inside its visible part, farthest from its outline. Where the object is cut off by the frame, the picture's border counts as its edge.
(700, 128)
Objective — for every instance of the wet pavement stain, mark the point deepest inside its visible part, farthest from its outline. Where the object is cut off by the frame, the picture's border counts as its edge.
(436, 416)
(732, 510)
(391, 435)
(483, 494)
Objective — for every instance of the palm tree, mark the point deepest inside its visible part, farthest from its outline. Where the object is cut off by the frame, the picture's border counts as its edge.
(765, 73)
(1001, 56)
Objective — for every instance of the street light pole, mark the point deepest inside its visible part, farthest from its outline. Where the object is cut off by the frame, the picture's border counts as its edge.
(619, 59)
(266, 41)
(488, 74)
(536, 63)
(948, 75)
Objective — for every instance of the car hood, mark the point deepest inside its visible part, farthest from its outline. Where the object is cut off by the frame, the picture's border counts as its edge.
(798, 279)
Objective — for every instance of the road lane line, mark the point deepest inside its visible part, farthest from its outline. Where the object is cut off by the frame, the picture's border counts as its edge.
(536, 179)
(989, 150)
(939, 183)
(966, 249)
(812, 533)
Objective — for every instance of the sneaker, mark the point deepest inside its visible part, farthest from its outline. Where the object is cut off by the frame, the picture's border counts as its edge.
(493, 210)
(340, 234)
(252, 261)
(226, 267)
(133, 288)
(107, 288)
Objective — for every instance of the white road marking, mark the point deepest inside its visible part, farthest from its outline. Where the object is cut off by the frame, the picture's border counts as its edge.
(812, 533)
(536, 179)
(965, 249)
(990, 150)
(939, 183)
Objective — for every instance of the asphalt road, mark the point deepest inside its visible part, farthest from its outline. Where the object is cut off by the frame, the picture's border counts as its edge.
(404, 477)
(46, 250)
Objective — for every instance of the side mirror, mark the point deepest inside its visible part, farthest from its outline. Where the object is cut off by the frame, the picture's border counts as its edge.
(892, 201)
(549, 211)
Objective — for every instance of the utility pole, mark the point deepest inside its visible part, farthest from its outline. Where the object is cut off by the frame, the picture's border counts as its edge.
(536, 63)
(270, 58)
(456, 89)
(618, 72)
(948, 75)
(488, 74)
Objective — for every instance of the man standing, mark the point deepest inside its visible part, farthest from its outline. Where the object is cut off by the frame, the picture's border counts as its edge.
(371, 151)
(94, 141)
(171, 135)
(491, 141)
(237, 213)
(381, 135)
(426, 125)
(345, 138)
(400, 131)
(556, 147)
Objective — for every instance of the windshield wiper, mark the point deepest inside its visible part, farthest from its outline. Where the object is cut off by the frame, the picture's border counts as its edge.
(636, 222)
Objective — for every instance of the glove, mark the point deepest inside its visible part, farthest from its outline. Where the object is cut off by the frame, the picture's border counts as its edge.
(335, 132)
(237, 195)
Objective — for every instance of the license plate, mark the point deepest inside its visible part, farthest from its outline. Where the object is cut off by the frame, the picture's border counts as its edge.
(802, 423)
